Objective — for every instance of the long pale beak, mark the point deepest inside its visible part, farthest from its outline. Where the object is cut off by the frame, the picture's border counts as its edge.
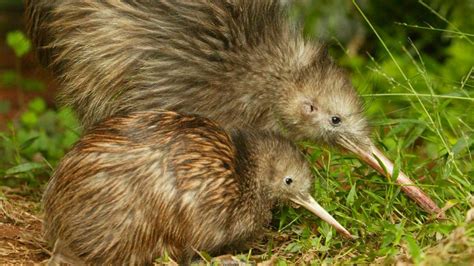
(309, 203)
(374, 157)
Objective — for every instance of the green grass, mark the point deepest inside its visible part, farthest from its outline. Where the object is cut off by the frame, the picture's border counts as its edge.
(422, 113)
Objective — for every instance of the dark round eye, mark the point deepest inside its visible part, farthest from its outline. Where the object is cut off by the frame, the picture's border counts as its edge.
(288, 180)
(335, 120)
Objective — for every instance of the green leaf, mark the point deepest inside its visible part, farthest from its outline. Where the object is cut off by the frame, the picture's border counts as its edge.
(22, 168)
(67, 119)
(37, 105)
(414, 249)
(28, 142)
(396, 168)
(69, 139)
(283, 217)
(29, 118)
(20, 44)
(461, 144)
(351, 196)
(415, 133)
(293, 247)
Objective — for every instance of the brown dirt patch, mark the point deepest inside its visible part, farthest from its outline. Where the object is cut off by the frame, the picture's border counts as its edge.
(20, 229)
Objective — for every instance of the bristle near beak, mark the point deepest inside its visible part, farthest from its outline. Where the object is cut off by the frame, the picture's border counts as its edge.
(373, 157)
(310, 204)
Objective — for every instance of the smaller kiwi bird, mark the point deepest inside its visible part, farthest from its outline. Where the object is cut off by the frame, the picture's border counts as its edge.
(138, 186)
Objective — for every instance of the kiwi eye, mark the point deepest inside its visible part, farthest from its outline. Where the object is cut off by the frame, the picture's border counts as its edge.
(335, 120)
(288, 180)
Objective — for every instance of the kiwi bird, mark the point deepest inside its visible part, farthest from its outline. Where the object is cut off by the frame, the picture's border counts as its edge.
(241, 63)
(137, 186)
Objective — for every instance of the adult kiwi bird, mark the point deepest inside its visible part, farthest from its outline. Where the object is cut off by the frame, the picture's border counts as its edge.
(241, 63)
(138, 186)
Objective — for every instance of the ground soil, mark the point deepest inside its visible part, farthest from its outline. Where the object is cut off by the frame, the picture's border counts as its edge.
(20, 228)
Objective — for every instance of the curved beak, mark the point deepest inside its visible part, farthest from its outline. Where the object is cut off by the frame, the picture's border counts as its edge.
(309, 203)
(377, 160)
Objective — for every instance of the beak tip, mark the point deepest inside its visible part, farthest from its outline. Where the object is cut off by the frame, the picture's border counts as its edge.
(375, 158)
(440, 214)
(348, 235)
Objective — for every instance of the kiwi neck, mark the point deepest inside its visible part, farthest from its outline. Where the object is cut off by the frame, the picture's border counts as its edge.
(250, 162)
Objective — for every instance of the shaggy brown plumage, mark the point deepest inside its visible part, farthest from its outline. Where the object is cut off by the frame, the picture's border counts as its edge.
(241, 63)
(138, 186)
(237, 62)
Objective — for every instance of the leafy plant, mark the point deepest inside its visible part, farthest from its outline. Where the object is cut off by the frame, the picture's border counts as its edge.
(21, 46)
(33, 145)
(19, 43)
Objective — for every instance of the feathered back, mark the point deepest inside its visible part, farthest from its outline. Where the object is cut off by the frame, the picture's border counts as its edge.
(205, 57)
